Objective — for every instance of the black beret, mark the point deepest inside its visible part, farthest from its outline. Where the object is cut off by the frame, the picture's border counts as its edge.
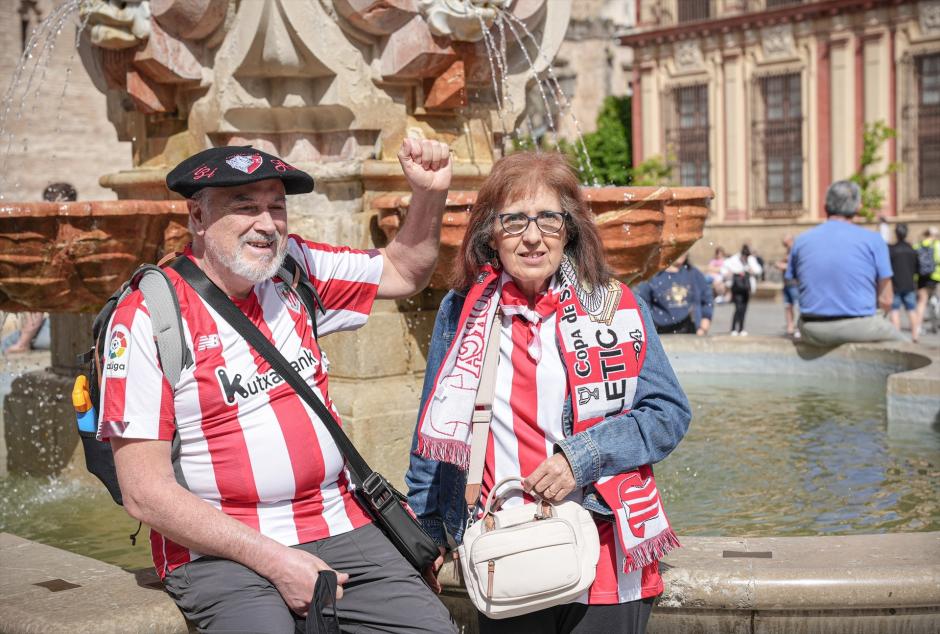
(234, 165)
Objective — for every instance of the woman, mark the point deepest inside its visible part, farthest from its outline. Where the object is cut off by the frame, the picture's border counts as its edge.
(679, 299)
(741, 271)
(532, 250)
(713, 275)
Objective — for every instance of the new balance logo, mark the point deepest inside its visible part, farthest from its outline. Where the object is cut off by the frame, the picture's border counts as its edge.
(207, 341)
(233, 389)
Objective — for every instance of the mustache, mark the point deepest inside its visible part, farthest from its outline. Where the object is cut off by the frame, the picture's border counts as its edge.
(257, 236)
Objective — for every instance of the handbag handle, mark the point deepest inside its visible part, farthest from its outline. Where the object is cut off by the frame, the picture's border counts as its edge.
(492, 497)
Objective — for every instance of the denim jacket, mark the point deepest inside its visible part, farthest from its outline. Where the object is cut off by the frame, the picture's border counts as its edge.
(646, 434)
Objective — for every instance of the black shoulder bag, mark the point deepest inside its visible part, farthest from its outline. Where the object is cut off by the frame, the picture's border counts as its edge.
(386, 504)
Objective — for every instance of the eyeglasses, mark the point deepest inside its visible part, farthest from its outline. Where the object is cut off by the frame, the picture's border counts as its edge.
(550, 222)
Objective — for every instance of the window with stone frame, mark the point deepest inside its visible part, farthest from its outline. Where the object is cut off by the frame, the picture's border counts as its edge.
(920, 129)
(687, 131)
(693, 10)
(777, 145)
(771, 4)
(927, 69)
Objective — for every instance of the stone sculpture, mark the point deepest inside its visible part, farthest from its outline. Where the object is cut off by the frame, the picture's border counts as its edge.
(319, 82)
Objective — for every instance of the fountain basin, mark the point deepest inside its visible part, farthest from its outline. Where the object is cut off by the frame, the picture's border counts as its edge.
(643, 229)
(70, 257)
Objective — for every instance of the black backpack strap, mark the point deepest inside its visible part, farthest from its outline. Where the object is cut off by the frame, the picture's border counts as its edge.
(295, 275)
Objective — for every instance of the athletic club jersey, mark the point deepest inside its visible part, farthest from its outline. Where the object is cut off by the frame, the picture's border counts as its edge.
(527, 422)
(249, 445)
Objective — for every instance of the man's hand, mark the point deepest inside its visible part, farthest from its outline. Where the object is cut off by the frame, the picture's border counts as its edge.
(426, 165)
(553, 479)
(703, 327)
(295, 576)
(430, 573)
(885, 294)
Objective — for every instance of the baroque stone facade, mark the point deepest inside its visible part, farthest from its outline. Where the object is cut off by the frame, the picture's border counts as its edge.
(766, 102)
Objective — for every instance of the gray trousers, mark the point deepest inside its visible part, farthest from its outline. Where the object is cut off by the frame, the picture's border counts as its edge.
(383, 593)
(854, 330)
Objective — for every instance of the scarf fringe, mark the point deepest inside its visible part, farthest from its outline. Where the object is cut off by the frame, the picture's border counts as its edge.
(454, 452)
(650, 550)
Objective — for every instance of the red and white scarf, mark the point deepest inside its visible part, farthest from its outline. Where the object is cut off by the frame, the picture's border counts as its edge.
(602, 341)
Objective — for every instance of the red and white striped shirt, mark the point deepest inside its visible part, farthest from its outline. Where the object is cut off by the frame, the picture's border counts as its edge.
(527, 422)
(249, 445)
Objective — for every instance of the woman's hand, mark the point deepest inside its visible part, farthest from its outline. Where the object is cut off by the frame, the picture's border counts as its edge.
(430, 573)
(553, 479)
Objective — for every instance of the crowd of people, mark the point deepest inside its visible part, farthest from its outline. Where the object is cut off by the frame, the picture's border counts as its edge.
(841, 281)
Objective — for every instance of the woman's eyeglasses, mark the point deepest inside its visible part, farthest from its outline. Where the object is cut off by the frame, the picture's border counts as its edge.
(549, 222)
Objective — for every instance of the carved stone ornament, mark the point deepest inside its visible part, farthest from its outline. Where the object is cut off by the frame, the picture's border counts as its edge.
(461, 19)
(929, 17)
(689, 55)
(777, 41)
(315, 81)
(117, 26)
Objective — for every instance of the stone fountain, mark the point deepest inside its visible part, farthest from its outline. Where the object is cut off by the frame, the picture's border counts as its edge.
(332, 86)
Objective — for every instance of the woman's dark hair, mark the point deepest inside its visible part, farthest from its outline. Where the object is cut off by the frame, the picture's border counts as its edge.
(517, 176)
(745, 251)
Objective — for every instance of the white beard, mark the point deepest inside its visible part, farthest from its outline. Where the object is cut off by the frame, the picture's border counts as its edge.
(255, 272)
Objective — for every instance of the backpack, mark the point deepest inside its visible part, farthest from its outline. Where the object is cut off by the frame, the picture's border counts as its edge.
(926, 263)
(174, 353)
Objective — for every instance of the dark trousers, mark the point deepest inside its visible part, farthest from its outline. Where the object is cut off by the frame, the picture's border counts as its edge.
(684, 327)
(740, 300)
(576, 618)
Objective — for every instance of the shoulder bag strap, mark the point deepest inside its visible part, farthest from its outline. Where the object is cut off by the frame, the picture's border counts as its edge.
(358, 467)
(294, 274)
(482, 415)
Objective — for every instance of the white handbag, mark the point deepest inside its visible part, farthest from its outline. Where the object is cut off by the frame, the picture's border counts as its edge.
(528, 557)
(524, 558)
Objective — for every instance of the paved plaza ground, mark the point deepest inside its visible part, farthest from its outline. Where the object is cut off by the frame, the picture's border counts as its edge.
(765, 317)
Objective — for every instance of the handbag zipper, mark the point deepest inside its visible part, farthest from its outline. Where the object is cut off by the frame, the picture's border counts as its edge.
(490, 571)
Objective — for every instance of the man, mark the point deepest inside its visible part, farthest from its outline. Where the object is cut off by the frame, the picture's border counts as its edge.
(266, 504)
(843, 270)
(679, 298)
(904, 265)
(791, 290)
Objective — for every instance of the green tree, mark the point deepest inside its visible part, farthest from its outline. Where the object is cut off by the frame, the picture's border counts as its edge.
(655, 170)
(874, 136)
(609, 146)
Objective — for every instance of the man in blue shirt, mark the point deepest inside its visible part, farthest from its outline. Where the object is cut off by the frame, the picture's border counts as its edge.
(679, 299)
(843, 271)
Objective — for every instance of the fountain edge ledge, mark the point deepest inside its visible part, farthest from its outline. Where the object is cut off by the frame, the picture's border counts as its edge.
(860, 580)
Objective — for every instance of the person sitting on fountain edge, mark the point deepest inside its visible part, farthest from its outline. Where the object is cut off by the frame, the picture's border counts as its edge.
(844, 274)
(267, 504)
(679, 298)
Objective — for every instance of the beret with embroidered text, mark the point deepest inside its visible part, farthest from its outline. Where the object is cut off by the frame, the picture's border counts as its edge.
(234, 165)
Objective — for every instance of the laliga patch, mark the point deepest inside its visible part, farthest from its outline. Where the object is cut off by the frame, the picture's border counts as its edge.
(117, 353)
(246, 163)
